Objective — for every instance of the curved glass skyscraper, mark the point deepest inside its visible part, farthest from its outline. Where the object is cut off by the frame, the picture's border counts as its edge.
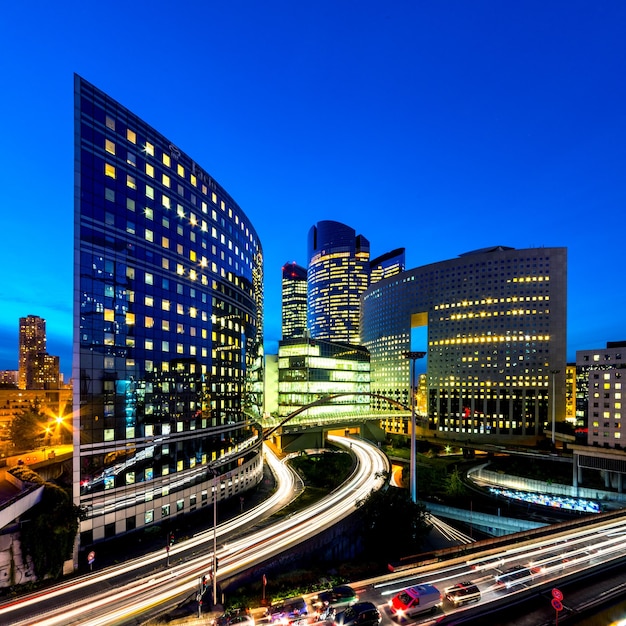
(338, 273)
(168, 304)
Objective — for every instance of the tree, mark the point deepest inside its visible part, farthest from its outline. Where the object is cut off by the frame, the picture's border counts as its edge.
(392, 525)
(27, 429)
(48, 536)
(455, 485)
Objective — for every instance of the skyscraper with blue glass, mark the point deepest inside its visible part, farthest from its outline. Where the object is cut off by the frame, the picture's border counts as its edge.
(168, 328)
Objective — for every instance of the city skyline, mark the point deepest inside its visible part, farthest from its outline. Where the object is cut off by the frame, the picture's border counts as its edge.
(438, 128)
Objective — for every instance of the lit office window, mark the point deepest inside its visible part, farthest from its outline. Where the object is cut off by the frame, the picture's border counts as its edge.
(165, 179)
(149, 235)
(109, 146)
(109, 170)
(149, 170)
(180, 170)
(166, 159)
(130, 181)
(149, 148)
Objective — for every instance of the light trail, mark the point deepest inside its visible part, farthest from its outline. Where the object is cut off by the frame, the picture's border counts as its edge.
(117, 606)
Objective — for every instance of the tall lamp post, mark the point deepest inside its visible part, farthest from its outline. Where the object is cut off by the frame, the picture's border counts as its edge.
(413, 356)
(554, 373)
(214, 564)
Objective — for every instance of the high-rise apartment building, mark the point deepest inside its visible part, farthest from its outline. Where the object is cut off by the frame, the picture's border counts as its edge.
(37, 369)
(294, 290)
(496, 325)
(600, 375)
(167, 328)
(337, 275)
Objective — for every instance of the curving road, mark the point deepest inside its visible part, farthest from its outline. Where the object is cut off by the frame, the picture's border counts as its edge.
(123, 594)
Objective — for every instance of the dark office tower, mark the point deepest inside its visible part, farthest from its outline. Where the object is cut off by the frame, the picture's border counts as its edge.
(37, 369)
(294, 301)
(387, 265)
(167, 328)
(338, 273)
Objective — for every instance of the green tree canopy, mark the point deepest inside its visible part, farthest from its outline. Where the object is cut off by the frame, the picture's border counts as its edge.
(48, 536)
(27, 429)
(392, 525)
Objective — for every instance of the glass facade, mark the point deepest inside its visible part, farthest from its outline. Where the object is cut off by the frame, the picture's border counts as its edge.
(338, 273)
(496, 321)
(309, 369)
(294, 289)
(168, 327)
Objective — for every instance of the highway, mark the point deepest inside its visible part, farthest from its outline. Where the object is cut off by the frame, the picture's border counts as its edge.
(123, 594)
(505, 577)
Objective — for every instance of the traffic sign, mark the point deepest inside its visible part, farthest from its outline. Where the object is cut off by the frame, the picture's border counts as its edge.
(557, 593)
(557, 605)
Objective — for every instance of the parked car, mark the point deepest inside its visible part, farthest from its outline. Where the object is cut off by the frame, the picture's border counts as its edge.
(359, 614)
(414, 600)
(288, 611)
(462, 593)
(337, 597)
(235, 619)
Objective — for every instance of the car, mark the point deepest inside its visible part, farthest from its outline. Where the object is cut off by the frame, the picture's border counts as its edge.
(513, 577)
(414, 600)
(235, 619)
(338, 597)
(462, 593)
(288, 611)
(548, 563)
(359, 614)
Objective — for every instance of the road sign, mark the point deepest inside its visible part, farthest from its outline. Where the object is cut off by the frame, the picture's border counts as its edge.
(557, 605)
(557, 593)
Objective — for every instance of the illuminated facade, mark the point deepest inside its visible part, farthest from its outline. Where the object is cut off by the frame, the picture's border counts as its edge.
(37, 368)
(600, 375)
(496, 321)
(338, 273)
(167, 328)
(387, 265)
(311, 368)
(294, 289)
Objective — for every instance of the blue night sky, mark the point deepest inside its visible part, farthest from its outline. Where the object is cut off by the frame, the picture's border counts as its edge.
(440, 126)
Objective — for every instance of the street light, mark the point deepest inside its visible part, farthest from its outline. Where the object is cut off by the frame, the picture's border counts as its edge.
(413, 466)
(214, 564)
(554, 373)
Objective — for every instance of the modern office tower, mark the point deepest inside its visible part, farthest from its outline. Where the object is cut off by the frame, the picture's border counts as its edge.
(309, 369)
(294, 301)
(496, 321)
(338, 273)
(387, 265)
(599, 377)
(37, 369)
(570, 393)
(167, 328)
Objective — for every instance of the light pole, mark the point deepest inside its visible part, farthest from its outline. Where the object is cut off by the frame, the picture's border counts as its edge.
(554, 373)
(214, 564)
(413, 466)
